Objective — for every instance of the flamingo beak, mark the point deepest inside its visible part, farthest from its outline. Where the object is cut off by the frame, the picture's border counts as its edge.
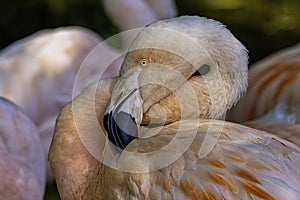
(124, 111)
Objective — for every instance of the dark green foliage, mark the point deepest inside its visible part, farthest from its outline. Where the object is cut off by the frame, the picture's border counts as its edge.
(264, 26)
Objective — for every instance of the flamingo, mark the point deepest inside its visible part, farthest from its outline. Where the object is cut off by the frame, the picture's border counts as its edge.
(132, 14)
(273, 82)
(22, 164)
(38, 73)
(156, 131)
(272, 102)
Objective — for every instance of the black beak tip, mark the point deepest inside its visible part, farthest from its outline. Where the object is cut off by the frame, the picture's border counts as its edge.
(121, 128)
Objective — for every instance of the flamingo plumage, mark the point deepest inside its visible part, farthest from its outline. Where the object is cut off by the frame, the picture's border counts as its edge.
(272, 102)
(273, 82)
(47, 63)
(172, 95)
(22, 163)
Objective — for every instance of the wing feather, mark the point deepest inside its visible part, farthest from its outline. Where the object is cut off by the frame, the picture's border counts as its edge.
(243, 164)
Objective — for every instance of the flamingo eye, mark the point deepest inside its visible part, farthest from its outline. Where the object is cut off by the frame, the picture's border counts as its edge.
(144, 62)
(204, 69)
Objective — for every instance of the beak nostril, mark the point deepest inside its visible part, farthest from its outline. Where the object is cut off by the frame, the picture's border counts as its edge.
(118, 127)
(202, 70)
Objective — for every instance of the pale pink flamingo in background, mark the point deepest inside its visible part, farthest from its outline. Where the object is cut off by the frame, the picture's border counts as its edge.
(272, 101)
(131, 14)
(38, 72)
(22, 163)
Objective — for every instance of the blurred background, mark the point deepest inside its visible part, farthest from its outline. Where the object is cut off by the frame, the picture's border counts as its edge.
(263, 26)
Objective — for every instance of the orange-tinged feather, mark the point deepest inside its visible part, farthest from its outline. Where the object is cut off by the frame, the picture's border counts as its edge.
(257, 191)
(272, 80)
